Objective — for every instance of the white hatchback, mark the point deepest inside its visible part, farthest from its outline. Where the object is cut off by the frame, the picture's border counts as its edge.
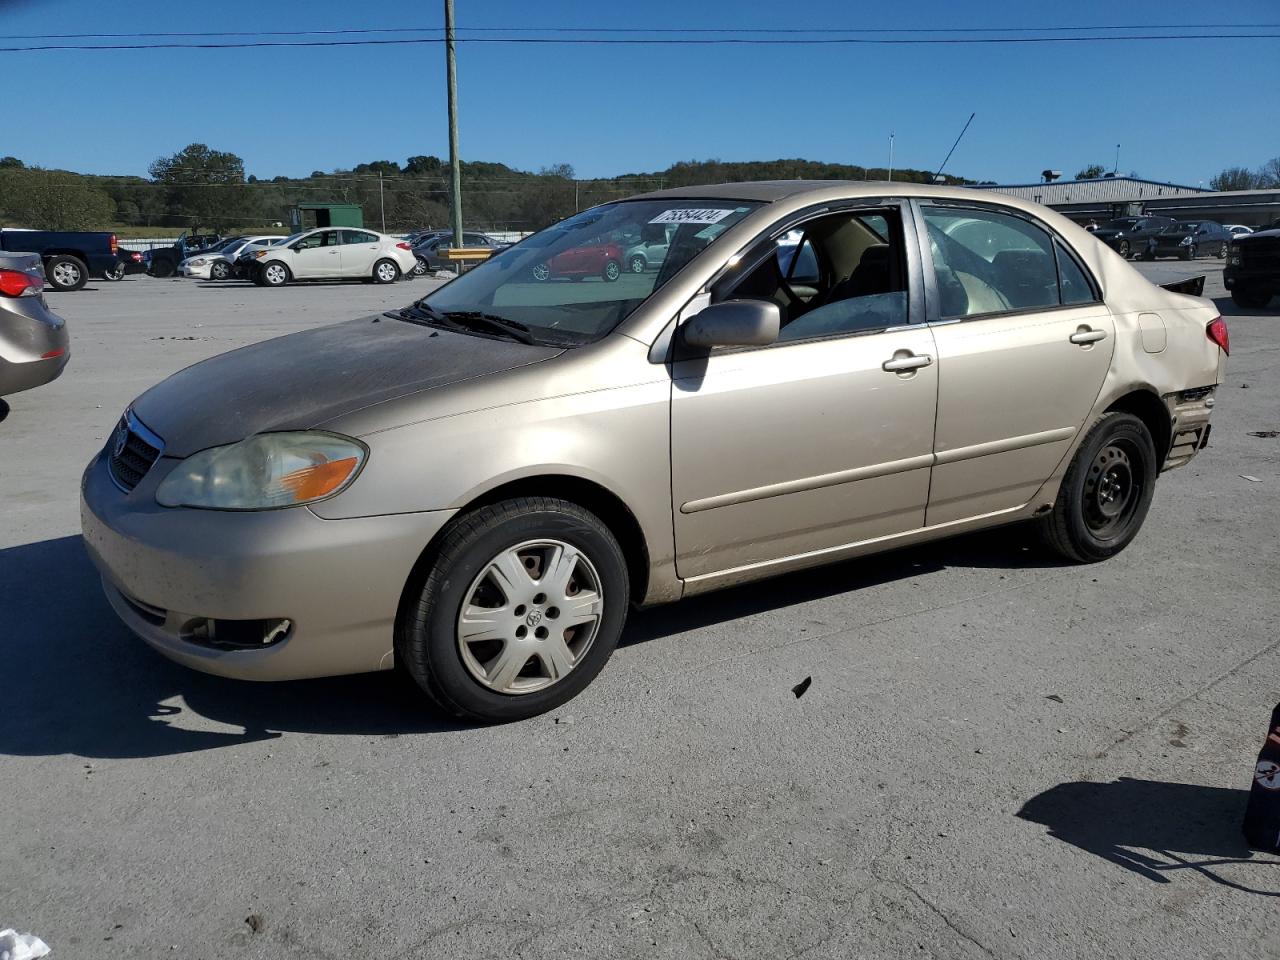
(333, 253)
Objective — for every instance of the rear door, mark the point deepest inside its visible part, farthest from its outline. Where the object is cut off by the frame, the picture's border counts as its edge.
(359, 251)
(1024, 343)
(824, 438)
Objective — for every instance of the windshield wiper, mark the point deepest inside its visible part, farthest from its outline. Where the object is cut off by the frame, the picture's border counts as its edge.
(491, 321)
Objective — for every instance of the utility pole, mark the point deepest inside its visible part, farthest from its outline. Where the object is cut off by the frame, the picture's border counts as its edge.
(891, 156)
(455, 168)
(382, 204)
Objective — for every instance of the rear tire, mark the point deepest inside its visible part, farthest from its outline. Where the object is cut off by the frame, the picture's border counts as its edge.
(65, 272)
(429, 639)
(163, 268)
(1106, 492)
(541, 272)
(638, 264)
(386, 271)
(115, 273)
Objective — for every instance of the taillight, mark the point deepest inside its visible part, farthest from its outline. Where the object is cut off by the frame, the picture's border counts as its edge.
(135, 257)
(15, 283)
(1217, 331)
(114, 246)
(404, 246)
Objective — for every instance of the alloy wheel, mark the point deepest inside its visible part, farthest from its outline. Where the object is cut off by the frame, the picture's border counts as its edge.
(386, 272)
(66, 274)
(530, 617)
(541, 272)
(637, 264)
(275, 274)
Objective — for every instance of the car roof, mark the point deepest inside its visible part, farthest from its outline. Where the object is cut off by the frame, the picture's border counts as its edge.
(769, 191)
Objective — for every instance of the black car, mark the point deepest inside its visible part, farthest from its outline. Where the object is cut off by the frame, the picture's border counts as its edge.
(164, 261)
(128, 262)
(430, 251)
(1131, 236)
(1189, 239)
(1252, 273)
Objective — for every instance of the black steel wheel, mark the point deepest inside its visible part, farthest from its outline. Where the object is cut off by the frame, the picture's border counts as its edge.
(1106, 491)
(1124, 249)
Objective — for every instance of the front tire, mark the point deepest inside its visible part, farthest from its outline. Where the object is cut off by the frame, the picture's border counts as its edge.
(1106, 492)
(66, 273)
(1189, 253)
(612, 271)
(541, 272)
(520, 611)
(1222, 250)
(1124, 249)
(1250, 299)
(274, 274)
(385, 271)
(221, 270)
(638, 264)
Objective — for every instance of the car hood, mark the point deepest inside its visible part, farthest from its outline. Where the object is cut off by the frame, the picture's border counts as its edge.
(305, 379)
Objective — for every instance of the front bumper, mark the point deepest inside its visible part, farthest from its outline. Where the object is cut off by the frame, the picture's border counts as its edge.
(200, 273)
(34, 345)
(338, 583)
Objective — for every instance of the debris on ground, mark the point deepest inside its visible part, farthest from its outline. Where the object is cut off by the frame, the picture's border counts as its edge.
(255, 922)
(21, 946)
(1054, 697)
(1264, 434)
(1245, 476)
(801, 687)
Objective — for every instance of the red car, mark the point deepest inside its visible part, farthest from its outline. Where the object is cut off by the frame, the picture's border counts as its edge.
(593, 260)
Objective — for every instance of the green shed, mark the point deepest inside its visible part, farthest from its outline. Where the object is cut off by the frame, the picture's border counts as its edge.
(307, 216)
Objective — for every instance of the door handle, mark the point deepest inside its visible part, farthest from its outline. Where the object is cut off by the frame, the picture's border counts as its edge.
(1084, 336)
(903, 362)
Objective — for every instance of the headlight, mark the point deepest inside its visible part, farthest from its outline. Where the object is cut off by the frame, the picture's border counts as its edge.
(197, 262)
(264, 472)
(1184, 242)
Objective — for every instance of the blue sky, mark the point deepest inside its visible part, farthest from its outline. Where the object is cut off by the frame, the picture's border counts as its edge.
(1182, 110)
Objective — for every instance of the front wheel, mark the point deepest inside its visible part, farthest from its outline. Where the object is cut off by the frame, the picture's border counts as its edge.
(521, 609)
(1250, 299)
(385, 271)
(1222, 250)
(1124, 249)
(612, 271)
(221, 270)
(1106, 492)
(1189, 253)
(66, 273)
(274, 274)
(541, 272)
(638, 264)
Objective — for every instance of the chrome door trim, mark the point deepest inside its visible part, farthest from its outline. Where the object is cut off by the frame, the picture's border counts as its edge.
(1004, 446)
(808, 483)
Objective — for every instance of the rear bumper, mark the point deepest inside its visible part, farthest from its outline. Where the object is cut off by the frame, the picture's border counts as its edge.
(337, 583)
(1189, 413)
(34, 345)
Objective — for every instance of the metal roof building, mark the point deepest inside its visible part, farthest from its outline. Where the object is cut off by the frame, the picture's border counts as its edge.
(1109, 197)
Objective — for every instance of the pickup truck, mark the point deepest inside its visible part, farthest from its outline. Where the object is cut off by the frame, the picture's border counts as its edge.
(68, 257)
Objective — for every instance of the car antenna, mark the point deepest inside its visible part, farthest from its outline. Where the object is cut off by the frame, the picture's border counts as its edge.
(953, 147)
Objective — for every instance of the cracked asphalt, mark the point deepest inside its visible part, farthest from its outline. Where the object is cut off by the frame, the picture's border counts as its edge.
(997, 756)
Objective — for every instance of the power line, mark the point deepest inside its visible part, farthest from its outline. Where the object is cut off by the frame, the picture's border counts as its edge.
(636, 41)
(352, 31)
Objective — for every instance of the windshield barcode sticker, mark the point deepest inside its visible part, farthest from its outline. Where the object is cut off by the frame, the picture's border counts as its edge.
(700, 215)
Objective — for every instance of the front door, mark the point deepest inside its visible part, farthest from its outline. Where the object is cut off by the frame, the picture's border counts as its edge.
(824, 438)
(318, 255)
(1023, 342)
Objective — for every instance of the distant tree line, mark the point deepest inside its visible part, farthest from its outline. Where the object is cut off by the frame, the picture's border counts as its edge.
(1242, 178)
(199, 188)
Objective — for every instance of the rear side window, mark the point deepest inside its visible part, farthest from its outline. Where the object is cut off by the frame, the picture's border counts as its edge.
(358, 236)
(988, 262)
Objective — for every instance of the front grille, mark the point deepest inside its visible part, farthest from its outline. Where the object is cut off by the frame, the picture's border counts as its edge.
(132, 450)
(1260, 254)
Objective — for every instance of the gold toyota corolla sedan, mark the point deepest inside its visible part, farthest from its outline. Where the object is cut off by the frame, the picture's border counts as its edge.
(479, 486)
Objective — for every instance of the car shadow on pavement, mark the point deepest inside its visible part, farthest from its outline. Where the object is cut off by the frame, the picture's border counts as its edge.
(79, 682)
(1004, 548)
(1155, 829)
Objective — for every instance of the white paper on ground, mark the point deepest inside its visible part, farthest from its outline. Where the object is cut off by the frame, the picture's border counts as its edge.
(21, 946)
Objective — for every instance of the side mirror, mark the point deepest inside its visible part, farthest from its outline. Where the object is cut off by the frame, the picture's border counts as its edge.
(734, 323)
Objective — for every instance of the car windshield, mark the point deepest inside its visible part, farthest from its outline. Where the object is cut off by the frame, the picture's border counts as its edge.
(1183, 227)
(1117, 224)
(572, 282)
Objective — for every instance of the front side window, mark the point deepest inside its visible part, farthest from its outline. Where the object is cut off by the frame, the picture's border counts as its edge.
(325, 238)
(572, 280)
(839, 274)
(989, 262)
